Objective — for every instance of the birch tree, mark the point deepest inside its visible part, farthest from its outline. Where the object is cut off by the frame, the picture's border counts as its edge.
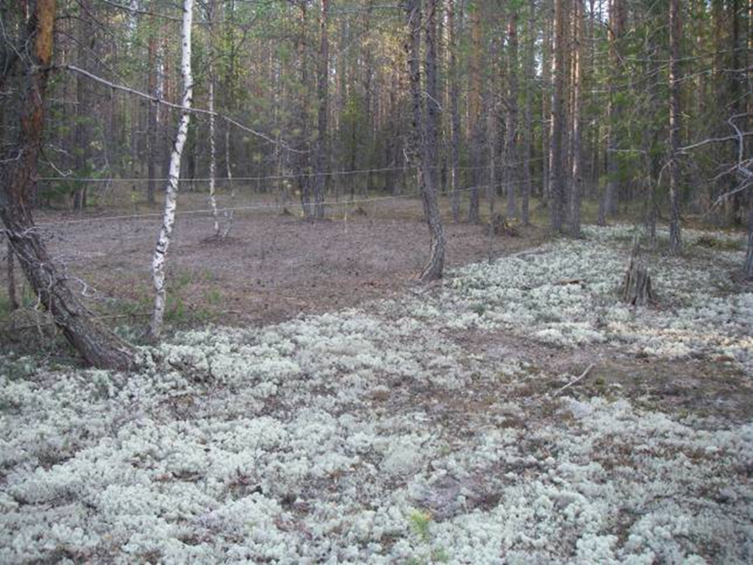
(159, 260)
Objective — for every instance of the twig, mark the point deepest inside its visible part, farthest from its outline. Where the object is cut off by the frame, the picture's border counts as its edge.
(571, 383)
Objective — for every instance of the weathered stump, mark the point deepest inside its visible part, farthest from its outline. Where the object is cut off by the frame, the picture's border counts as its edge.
(636, 287)
(498, 225)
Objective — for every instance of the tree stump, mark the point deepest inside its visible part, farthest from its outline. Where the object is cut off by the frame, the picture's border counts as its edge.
(636, 287)
(498, 225)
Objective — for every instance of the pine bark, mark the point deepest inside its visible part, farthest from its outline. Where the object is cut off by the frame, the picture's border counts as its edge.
(558, 194)
(675, 33)
(159, 260)
(11, 272)
(452, 16)
(546, 101)
(528, 116)
(94, 342)
(576, 150)
(512, 156)
(617, 18)
(476, 125)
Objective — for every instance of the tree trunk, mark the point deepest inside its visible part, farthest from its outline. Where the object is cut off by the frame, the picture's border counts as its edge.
(576, 189)
(229, 214)
(558, 196)
(212, 125)
(546, 100)
(452, 16)
(527, 116)
(13, 302)
(748, 267)
(302, 158)
(512, 156)
(617, 22)
(94, 342)
(82, 132)
(322, 93)
(151, 131)
(675, 33)
(477, 123)
(159, 261)
(425, 126)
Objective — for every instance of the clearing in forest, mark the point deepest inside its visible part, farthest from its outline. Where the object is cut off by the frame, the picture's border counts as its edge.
(516, 413)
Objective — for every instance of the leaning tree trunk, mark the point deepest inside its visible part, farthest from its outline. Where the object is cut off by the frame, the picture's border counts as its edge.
(425, 127)
(94, 342)
(675, 32)
(159, 261)
(434, 268)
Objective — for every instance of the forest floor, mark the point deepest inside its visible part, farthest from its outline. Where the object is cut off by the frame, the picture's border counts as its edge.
(271, 268)
(516, 412)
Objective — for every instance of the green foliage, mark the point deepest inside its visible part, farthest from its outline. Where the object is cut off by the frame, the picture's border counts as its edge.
(420, 521)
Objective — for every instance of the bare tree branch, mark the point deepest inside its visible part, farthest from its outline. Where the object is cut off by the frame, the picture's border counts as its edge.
(164, 102)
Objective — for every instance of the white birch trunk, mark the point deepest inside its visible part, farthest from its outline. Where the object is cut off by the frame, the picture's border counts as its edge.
(159, 262)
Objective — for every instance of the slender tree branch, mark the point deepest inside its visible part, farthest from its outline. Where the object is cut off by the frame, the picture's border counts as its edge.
(164, 102)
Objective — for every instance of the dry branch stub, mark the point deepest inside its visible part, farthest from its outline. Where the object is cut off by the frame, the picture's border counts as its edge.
(636, 287)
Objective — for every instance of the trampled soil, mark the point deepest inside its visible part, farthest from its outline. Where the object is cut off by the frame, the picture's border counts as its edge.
(272, 266)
